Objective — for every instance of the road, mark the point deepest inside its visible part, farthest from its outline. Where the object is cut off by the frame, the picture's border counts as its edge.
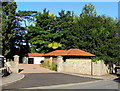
(32, 80)
(101, 85)
(104, 84)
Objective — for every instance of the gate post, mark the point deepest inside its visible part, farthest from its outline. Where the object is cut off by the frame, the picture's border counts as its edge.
(16, 62)
(59, 63)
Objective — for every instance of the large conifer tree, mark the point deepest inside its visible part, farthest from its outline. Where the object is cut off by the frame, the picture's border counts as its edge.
(9, 27)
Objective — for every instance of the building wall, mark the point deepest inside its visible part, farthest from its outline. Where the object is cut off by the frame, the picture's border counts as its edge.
(37, 60)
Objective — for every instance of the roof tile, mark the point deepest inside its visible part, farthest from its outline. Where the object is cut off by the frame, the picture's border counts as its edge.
(34, 54)
(70, 52)
(56, 53)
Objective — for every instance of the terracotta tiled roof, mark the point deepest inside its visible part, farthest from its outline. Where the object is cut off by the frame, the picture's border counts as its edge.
(56, 53)
(78, 52)
(70, 52)
(34, 54)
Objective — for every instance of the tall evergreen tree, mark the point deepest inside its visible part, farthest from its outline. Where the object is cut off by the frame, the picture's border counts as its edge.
(88, 11)
(99, 35)
(21, 41)
(9, 27)
(65, 24)
(43, 33)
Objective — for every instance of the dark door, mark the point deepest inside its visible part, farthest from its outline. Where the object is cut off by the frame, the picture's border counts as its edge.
(30, 60)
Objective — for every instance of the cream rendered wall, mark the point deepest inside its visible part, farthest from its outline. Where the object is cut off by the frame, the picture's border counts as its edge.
(37, 60)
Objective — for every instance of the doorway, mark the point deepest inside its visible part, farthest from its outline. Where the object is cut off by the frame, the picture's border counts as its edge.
(30, 60)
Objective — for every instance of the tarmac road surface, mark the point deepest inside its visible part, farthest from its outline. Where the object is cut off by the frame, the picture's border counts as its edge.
(46, 79)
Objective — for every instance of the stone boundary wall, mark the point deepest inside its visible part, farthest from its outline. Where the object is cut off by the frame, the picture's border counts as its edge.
(99, 68)
(13, 65)
(10, 65)
(82, 66)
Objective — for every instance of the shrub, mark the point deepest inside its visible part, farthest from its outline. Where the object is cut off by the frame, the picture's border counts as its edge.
(95, 59)
(8, 60)
(46, 64)
(53, 67)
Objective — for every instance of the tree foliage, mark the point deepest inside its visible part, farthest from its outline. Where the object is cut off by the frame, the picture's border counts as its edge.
(9, 27)
(13, 33)
(94, 33)
(88, 11)
(44, 32)
(97, 34)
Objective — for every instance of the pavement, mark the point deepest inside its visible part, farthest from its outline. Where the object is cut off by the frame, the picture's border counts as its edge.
(101, 85)
(13, 77)
(103, 77)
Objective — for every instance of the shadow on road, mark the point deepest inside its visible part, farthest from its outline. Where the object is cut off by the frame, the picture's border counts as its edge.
(20, 70)
(117, 79)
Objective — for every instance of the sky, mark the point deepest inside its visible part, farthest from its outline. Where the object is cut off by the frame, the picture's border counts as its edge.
(67, 0)
(102, 8)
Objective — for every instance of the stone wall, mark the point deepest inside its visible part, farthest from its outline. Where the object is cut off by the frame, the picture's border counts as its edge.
(10, 65)
(99, 68)
(82, 66)
(13, 65)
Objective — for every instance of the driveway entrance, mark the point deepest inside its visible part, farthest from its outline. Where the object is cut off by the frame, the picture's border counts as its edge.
(33, 68)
